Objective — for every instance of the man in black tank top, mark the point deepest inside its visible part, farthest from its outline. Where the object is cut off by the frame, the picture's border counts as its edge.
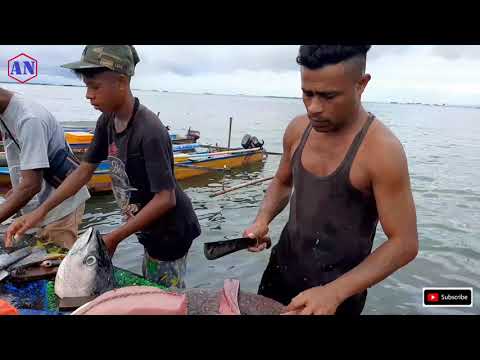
(342, 171)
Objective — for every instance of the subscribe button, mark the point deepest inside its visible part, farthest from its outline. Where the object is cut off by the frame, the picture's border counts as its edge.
(447, 297)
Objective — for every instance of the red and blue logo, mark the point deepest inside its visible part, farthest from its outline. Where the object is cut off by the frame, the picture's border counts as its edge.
(22, 68)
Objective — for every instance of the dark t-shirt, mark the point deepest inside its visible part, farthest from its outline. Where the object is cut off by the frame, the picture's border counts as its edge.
(142, 165)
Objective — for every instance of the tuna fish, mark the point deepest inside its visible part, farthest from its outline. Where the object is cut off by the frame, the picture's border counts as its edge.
(87, 270)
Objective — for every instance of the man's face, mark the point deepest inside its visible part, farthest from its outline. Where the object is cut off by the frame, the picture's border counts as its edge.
(331, 95)
(105, 91)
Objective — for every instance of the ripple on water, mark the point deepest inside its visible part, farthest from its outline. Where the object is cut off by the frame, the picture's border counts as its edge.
(445, 227)
(427, 179)
(468, 192)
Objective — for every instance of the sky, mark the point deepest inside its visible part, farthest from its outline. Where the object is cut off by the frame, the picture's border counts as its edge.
(434, 74)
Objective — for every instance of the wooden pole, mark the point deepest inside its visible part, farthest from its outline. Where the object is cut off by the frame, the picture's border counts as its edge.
(241, 186)
(229, 133)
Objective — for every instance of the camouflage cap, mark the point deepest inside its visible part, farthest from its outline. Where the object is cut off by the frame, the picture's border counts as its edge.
(118, 58)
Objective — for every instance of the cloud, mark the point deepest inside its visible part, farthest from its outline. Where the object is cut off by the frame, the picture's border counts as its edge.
(378, 51)
(221, 59)
(439, 73)
(455, 52)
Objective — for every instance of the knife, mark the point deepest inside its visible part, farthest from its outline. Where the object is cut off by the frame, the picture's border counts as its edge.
(218, 249)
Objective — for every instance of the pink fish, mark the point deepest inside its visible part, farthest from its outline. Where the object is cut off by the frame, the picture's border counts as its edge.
(146, 300)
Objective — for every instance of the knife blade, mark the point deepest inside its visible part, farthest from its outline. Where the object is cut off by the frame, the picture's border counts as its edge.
(217, 249)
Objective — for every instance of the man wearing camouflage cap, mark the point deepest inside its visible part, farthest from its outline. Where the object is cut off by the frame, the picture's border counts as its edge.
(139, 148)
(118, 58)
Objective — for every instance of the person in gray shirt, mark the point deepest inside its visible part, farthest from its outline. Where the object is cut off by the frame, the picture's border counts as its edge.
(31, 137)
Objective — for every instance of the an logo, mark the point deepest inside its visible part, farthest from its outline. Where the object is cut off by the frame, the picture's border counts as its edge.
(447, 297)
(22, 68)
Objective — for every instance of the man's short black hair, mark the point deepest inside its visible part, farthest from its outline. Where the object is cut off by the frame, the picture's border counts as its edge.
(90, 73)
(317, 56)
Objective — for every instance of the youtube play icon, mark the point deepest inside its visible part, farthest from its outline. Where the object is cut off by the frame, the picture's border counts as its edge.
(433, 297)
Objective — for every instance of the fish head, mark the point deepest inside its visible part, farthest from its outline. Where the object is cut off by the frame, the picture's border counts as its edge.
(87, 269)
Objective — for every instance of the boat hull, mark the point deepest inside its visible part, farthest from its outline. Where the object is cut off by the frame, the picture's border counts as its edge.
(101, 181)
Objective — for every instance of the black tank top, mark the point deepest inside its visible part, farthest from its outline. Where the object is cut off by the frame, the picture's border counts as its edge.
(331, 225)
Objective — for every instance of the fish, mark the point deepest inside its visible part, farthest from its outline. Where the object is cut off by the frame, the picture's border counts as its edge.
(8, 259)
(86, 271)
(149, 300)
(209, 302)
(35, 257)
(50, 263)
(4, 274)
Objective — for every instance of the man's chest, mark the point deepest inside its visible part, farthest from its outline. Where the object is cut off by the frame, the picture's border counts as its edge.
(124, 146)
(324, 160)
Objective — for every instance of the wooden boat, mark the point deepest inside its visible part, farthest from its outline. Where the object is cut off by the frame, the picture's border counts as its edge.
(79, 140)
(80, 137)
(190, 159)
(186, 166)
(190, 137)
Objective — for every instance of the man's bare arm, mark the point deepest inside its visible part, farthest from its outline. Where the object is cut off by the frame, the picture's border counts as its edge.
(20, 195)
(72, 184)
(280, 189)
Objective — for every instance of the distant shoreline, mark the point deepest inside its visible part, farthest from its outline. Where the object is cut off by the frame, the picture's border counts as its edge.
(261, 96)
(162, 91)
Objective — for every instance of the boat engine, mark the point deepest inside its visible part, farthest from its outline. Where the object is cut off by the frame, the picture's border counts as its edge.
(250, 142)
(193, 134)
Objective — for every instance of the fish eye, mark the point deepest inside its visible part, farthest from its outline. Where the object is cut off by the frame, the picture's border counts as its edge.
(91, 260)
